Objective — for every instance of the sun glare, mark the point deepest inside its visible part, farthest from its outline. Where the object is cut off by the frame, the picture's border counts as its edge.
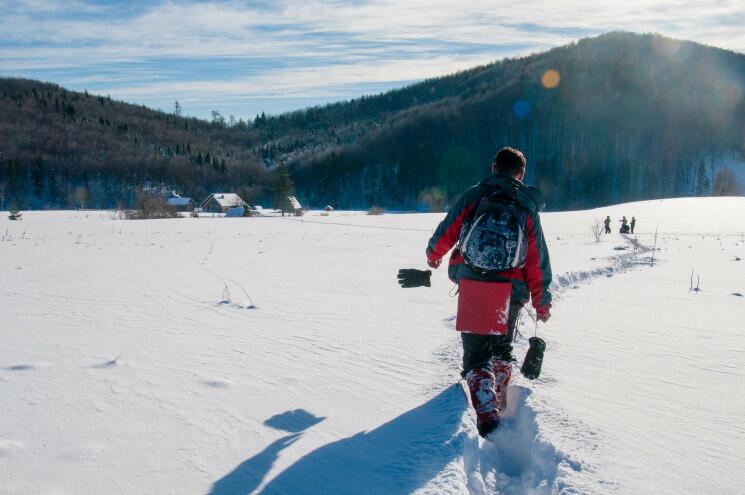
(550, 79)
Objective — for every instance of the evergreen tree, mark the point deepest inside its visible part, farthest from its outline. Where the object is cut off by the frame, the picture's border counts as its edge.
(282, 188)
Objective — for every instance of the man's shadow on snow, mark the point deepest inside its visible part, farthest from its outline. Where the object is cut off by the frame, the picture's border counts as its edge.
(247, 476)
(396, 458)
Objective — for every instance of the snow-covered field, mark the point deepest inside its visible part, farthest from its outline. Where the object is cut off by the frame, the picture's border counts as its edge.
(127, 367)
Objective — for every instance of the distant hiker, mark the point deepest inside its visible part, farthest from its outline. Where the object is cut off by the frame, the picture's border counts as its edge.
(500, 261)
(633, 224)
(606, 222)
(624, 226)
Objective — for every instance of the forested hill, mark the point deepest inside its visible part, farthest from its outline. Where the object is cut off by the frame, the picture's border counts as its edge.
(615, 118)
(632, 117)
(61, 148)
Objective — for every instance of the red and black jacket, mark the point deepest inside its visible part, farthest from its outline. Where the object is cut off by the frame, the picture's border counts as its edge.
(530, 281)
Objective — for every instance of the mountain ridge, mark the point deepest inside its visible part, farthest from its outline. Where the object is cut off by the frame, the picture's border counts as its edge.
(609, 94)
(630, 117)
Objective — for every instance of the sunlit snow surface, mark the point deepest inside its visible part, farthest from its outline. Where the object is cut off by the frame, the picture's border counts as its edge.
(127, 367)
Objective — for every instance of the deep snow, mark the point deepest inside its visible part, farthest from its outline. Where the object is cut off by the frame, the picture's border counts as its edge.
(126, 367)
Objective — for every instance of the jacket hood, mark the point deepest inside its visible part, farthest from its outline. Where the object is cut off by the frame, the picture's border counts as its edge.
(528, 196)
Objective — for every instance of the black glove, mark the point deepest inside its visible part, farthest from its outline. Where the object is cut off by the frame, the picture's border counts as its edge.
(410, 277)
(531, 368)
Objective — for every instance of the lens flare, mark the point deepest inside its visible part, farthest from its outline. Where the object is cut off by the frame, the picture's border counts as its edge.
(521, 108)
(550, 79)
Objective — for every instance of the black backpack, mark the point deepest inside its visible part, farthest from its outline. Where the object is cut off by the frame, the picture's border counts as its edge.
(495, 239)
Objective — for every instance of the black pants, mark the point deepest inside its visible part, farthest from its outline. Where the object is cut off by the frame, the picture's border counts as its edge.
(478, 350)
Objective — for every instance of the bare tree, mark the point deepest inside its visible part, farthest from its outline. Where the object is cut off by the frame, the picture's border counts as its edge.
(725, 184)
(81, 196)
(597, 229)
(150, 206)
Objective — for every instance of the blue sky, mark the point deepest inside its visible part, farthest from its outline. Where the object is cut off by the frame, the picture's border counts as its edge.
(244, 57)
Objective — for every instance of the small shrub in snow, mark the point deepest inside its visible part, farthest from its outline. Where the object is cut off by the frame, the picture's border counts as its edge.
(119, 213)
(375, 210)
(697, 288)
(15, 214)
(635, 243)
(434, 198)
(597, 229)
(151, 207)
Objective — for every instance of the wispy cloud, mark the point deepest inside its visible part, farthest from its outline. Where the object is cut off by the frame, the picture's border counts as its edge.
(236, 55)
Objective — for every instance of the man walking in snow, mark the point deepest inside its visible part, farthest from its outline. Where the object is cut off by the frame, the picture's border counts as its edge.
(633, 224)
(606, 222)
(500, 261)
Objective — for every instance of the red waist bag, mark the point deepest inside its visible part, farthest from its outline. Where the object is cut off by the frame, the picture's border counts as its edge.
(483, 307)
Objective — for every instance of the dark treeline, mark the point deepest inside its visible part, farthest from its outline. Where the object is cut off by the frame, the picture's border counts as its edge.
(61, 148)
(632, 117)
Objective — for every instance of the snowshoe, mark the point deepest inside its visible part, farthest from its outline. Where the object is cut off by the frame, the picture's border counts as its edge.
(487, 427)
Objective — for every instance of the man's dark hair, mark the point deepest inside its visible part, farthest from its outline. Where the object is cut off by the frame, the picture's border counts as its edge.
(509, 161)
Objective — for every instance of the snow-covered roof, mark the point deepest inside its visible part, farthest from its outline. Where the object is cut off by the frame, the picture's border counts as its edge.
(179, 201)
(294, 202)
(226, 200)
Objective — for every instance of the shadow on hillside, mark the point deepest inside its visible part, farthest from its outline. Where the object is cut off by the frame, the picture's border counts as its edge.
(395, 458)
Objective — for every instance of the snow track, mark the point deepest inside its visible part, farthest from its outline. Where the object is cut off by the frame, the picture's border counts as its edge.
(518, 459)
(515, 460)
(632, 257)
